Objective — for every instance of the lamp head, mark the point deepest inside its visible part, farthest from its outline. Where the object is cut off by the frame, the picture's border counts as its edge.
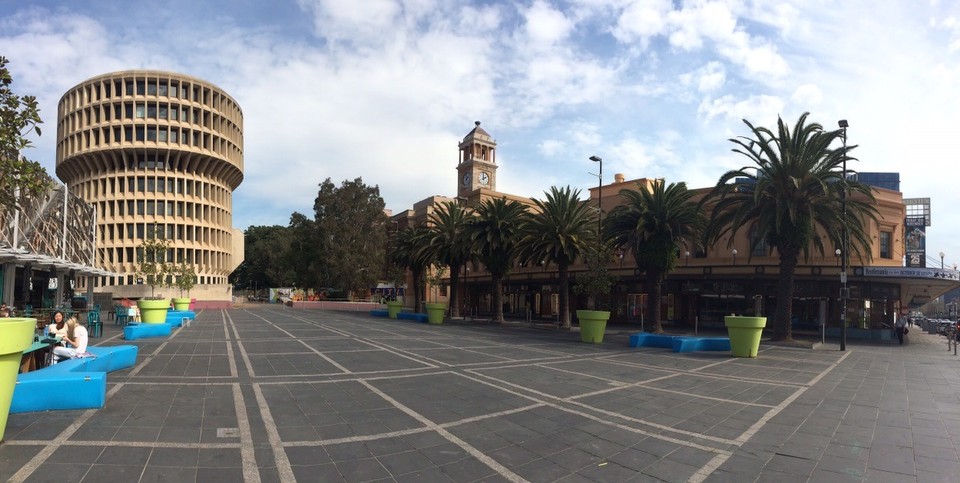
(734, 251)
(596, 159)
(843, 123)
(837, 251)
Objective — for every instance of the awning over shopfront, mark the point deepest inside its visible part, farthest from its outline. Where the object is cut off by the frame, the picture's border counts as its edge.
(918, 286)
(23, 257)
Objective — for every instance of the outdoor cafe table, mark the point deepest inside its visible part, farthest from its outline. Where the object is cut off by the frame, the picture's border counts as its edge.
(37, 355)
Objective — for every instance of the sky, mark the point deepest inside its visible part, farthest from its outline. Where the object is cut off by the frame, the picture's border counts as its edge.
(384, 90)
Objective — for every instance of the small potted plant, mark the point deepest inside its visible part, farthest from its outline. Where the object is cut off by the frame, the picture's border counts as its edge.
(153, 269)
(595, 281)
(185, 279)
(435, 310)
(394, 306)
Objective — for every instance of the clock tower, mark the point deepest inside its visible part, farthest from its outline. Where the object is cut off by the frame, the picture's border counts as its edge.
(477, 167)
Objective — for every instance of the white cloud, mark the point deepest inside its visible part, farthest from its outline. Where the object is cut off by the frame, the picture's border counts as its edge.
(641, 20)
(807, 95)
(370, 22)
(545, 25)
(760, 109)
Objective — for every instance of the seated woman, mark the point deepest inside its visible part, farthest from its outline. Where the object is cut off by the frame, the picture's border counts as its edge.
(76, 342)
(58, 325)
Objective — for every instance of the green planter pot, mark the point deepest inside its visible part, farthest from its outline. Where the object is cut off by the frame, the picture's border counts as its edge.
(592, 325)
(435, 313)
(393, 308)
(16, 335)
(744, 334)
(181, 303)
(153, 311)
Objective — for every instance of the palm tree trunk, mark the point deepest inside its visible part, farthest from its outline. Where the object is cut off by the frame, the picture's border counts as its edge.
(655, 291)
(782, 330)
(417, 291)
(564, 272)
(498, 299)
(454, 302)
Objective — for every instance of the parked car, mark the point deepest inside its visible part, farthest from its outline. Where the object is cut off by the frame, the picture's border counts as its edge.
(946, 326)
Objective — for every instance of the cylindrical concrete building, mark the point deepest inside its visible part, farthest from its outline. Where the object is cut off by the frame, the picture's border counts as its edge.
(153, 150)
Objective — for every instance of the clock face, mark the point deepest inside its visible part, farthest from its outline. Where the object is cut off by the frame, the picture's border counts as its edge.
(466, 179)
(484, 178)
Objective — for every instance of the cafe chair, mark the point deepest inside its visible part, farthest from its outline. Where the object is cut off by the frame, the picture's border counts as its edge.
(94, 324)
(120, 316)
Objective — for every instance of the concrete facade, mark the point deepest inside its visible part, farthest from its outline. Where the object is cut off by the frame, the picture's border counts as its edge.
(155, 151)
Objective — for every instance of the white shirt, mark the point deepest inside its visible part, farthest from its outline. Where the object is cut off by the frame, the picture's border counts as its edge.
(80, 336)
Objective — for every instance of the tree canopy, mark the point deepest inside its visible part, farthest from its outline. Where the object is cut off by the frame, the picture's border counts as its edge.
(19, 117)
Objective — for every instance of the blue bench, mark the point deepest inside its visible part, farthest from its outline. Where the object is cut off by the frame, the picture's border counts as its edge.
(175, 317)
(644, 339)
(679, 343)
(379, 313)
(73, 383)
(692, 344)
(141, 331)
(413, 316)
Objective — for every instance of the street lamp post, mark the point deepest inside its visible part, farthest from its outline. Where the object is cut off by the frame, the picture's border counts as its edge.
(598, 159)
(734, 252)
(687, 256)
(844, 293)
(941, 260)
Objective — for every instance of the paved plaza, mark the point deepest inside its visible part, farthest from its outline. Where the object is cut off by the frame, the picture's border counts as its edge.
(272, 394)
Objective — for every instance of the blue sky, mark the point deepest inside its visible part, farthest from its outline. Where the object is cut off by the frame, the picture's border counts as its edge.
(385, 89)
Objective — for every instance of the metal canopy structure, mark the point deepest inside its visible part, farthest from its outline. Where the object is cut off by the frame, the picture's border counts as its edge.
(54, 232)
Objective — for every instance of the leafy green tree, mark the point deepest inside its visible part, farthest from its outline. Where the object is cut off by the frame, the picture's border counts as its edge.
(350, 221)
(654, 224)
(596, 279)
(561, 230)
(185, 277)
(152, 263)
(19, 117)
(449, 245)
(266, 262)
(494, 235)
(304, 257)
(407, 251)
(791, 197)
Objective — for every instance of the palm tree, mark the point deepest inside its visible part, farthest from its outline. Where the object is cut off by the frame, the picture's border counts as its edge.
(791, 198)
(494, 235)
(448, 244)
(406, 252)
(654, 224)
(560, 233)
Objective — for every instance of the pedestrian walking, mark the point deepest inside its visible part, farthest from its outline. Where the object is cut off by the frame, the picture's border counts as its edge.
(901, 326)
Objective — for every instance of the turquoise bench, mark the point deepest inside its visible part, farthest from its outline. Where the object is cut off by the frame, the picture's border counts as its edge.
(73, 383)
(175, 317)
(679, 343)
(412, 316)
(693, 344)
(142, 331)
(644, 339)
(379, 313)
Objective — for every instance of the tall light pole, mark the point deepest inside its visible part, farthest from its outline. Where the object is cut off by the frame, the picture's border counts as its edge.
(844, 253)
(598, 159)
(734, 252)
(941, 260)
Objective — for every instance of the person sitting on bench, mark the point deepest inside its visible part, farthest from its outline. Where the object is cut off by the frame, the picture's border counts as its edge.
(76, 342)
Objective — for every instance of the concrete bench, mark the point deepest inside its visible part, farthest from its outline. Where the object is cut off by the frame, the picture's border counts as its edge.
(141, 331)
(693, 344)
(379, 313)
(175, 317)
(679, 343)
(413, 316)
(644, 339)
(73, 383)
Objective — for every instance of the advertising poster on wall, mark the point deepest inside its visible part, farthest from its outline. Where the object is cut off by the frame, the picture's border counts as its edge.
(916, 242)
